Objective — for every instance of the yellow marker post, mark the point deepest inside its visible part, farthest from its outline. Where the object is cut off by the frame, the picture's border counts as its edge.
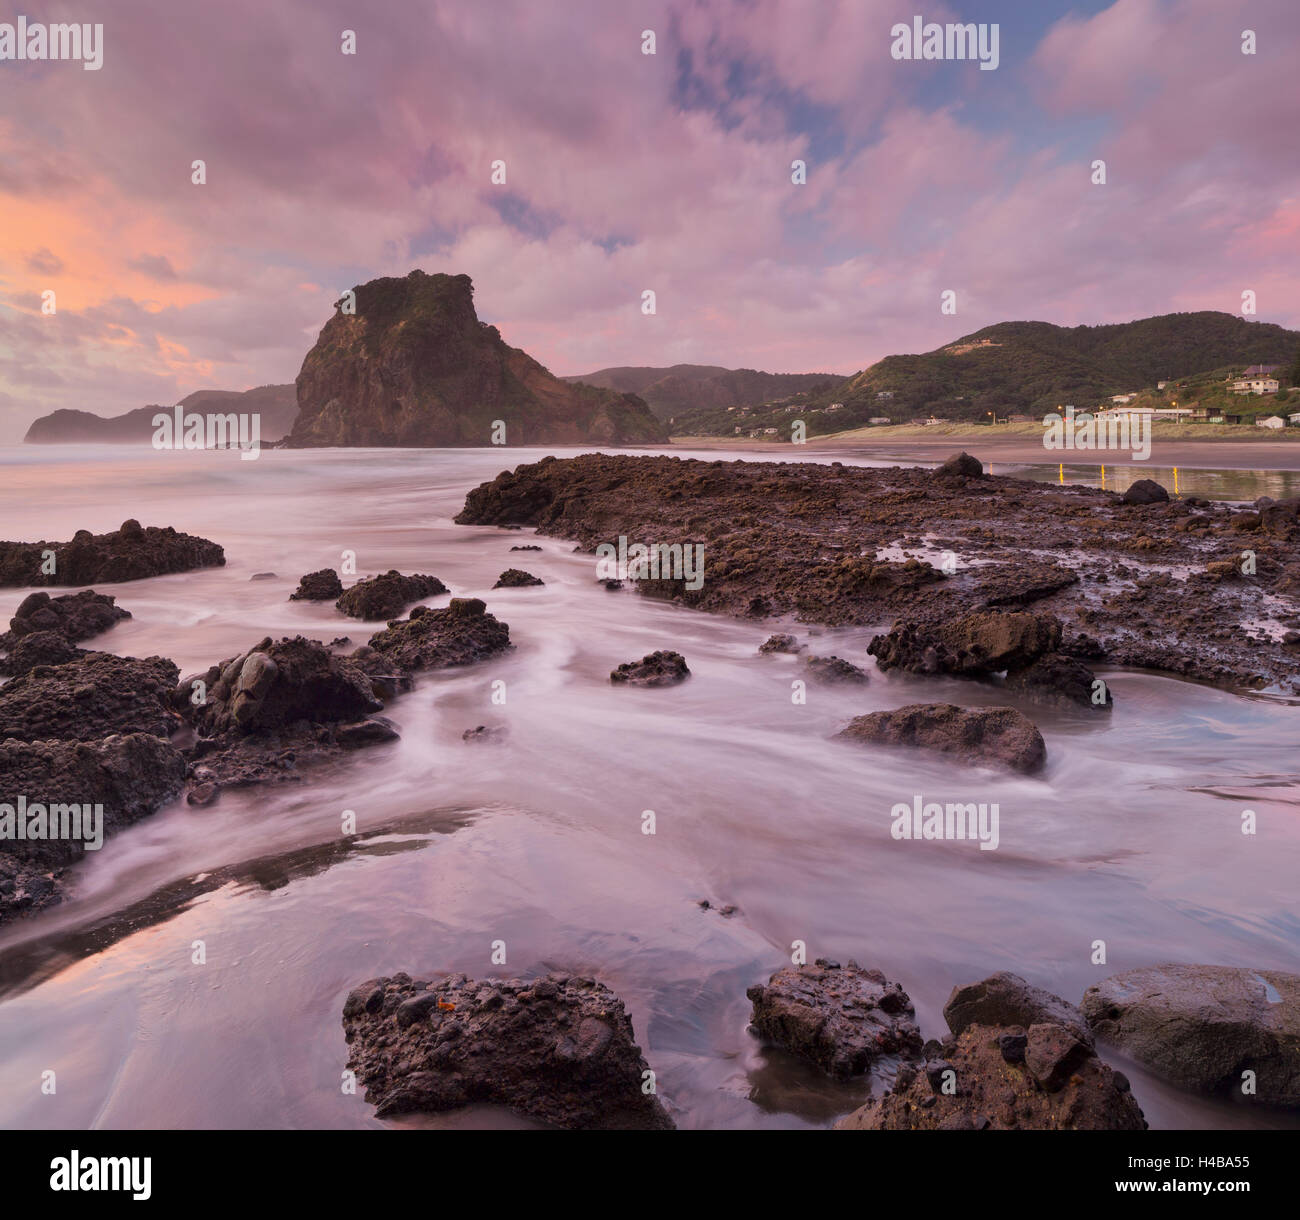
(1103, 478)
(1062, 473)
(1176, 480)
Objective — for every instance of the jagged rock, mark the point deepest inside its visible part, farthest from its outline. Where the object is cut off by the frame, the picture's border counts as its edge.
(460, 634)
(842, 1018)
(385, 597)
(39, 648)
(662, 668)
(834, 669)
(1059, 1085)
(415, 366)
(1201, 1027)
(516, 578)
(560, 1049)
(983, 735)
(130, 776)
(130, 553)
(277, 684)
(1145, 491)
(368, 732)
(1060, 678)
(484, 733)
(74, 616)
(322, 586)
(89, 698)
(962, 464)
(1007, 999)
(781, 642)
(526, 548)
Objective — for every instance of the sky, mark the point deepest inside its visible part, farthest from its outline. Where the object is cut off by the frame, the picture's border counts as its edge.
(627, 172)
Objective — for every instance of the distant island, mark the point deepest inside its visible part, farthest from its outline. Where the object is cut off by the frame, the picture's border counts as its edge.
(276, 404)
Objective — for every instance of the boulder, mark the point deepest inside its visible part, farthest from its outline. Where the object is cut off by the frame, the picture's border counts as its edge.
(981, 736)
(842, 1018)
(834, 670)
(781, 642)
(516, 578)
(560, 1049)
(74, 616)
(963, 465)
(385, 597)
(1007, 999)
(460, 634)
(1201, 1027)
(660, 668)
(1145, 491)
(322, 586)
(1051, 1082)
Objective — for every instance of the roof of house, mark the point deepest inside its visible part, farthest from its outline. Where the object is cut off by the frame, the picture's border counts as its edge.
(1261, 370)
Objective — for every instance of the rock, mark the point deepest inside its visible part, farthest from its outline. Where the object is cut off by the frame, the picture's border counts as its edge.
(516, 578)
(1013, 1046)
(385, 597)
(526, 548)
(461, 634)
(74, 616)
(202, 794)
(1007, 999)
(1201, 1027)
(89, 698)
(834, 669)
(39, 648)
(559, 1049)
(262, 576)
(1056, 677)
(322, 586)
(1145, 491)
(981, 736)
(961, 464)
(130, 775)
(993, 1093)
(840, 1018)
(611, 586)
(414, 366)
(782, 642)
(483, 733)
(368, 732)
(660, 668)
(275, 685)
(130, 553)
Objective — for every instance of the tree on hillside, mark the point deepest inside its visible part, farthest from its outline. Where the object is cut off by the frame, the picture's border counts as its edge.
(1294, 375)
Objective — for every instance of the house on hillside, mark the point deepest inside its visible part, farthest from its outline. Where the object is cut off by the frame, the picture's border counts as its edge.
(878, 419)
(1271, 421)
(884, 395)
(1123, 398)
(836, 406)
(1255, 385)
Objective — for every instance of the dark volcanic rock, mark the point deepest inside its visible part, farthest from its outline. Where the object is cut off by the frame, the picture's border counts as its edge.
(484, 733)
(276, 684)
(321, 586)
(529, 547)
(1201, 1027)
(983, 735)
(460, 634)
(91, 697)
(662, 668)
(834, 669)
(842, 1018)
(74, 616)
(413, 365)
(1059, 1085)
(1060, 678)
(130, 553)
(130, 776)
(801, 541)
(961, 464)
(560, 1049)
(782, 642)
(39, 648)
(385, 597)
(1007, 999)
(516, 578)
(1145, 491)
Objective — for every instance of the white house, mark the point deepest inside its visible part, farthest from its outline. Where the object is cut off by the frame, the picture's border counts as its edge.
(1123, 397)
(1255, 385)
(878, 419)
(1294, 419)
(882, 395)
(1273, 421)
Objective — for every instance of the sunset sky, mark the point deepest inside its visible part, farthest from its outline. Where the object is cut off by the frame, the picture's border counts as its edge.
(628, 172)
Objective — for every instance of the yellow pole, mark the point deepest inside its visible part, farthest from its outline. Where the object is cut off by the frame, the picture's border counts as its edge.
(1103, 478)
(1176, 480)
(1062, 473)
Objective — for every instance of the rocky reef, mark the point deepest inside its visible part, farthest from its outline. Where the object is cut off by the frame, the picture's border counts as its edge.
(129, 553)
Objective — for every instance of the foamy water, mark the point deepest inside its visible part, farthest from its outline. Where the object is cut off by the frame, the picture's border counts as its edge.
(1131, 836)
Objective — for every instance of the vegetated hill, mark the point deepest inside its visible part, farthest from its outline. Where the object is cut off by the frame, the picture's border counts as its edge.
(414, 366)
(685, 387)
(276, 404)
(1027, 368)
